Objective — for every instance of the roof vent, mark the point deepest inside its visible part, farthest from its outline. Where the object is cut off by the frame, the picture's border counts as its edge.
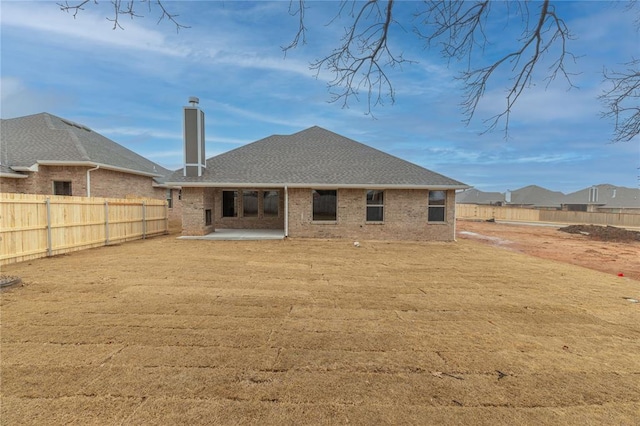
(194, 101)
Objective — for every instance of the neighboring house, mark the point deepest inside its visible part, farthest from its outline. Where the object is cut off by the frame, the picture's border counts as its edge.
(474, 196)
(604, 198)
(311, 184)
(45, 154)
(534, 196)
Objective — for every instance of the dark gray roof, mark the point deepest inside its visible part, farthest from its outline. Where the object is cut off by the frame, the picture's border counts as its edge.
(474, 196)
(314, 156)
(45, 138)
(536, 196)
(608, 195)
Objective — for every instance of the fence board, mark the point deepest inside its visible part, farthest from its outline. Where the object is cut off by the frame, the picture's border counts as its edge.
(474, 211)
(75, 223)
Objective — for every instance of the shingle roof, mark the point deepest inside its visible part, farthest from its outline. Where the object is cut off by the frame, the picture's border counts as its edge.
(43, 138)
(474, 196)
(537, 196)
(314, 156)
(608, 195)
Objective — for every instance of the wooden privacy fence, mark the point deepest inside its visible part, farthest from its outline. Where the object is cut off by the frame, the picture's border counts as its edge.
(474, 211)
(33, 226)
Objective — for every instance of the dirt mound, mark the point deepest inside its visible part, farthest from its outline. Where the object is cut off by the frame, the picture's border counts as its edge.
(603, 233)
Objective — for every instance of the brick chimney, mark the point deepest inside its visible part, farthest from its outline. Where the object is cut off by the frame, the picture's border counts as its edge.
(193, 134)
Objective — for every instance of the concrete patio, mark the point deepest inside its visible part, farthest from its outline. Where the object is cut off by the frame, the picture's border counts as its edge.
(240, 234)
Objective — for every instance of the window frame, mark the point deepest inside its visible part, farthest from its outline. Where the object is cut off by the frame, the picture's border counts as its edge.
(374, 205)
(235, 204)
(313, 206)
(432, 207)
(257, 198)
(66, 183)
(265, 193)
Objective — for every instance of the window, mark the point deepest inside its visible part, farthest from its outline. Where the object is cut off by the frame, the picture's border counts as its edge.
(250, 203)
(375, 206)
(169, 199)
(325, 203)
(61, 188)
(270, 203)
(207, 217)
(229, 202)
(437, 202)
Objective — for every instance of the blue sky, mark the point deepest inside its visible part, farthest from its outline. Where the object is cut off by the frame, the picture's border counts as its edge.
(131, 86)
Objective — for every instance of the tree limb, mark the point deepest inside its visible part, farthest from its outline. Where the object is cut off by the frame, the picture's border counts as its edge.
(123, 7)
(622, 101)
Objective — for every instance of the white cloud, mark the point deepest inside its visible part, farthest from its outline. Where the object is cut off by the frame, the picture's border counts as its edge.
(139, 131)
(17, 99)
(88, 28)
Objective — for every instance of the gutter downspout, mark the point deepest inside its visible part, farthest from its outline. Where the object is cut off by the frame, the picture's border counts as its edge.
(286, 211)
(89, 180)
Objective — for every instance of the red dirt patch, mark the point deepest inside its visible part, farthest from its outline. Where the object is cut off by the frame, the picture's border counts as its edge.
(614, 256)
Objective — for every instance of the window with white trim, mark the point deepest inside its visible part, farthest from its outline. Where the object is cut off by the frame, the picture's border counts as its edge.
(437, 206)
(375, 205)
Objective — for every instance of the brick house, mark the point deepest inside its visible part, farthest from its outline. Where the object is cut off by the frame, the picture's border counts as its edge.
(45, 154)
(311, 184)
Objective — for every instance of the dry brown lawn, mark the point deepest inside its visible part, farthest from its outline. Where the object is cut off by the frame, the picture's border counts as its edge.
(166, 332)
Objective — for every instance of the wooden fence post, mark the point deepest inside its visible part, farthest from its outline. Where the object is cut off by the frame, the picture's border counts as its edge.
(49, 242)
(144, 220)
(106, 222)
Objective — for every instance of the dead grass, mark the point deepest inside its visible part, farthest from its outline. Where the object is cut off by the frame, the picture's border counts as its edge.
(317, 332)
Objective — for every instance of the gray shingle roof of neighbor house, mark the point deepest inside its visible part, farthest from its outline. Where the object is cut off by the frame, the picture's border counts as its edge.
(537, 196)
(608, 195)
(49, 140)
(317, 157)
(474, 196)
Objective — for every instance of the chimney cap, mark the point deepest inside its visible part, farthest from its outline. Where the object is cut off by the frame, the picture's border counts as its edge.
(193, 100)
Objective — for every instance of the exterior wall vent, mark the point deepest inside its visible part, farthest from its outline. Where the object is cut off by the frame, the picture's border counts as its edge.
(193, 135)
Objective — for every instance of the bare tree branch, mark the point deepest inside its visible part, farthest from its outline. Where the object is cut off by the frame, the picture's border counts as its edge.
(622, 101)
(123, 7)
(459, 28)
(361, 59)
(302, 30)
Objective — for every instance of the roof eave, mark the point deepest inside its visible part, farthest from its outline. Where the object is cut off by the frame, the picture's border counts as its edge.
(13, 175)
(314, 185)
(93, 164)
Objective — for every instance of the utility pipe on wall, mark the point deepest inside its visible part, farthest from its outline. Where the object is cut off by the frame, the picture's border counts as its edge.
(89, 180)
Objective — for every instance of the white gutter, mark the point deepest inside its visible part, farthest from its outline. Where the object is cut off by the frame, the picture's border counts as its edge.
(313, 185)
(286, 212)
(13, 175)
(89, 180)
(90, 164)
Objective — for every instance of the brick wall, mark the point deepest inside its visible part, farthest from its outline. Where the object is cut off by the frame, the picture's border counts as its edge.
(195, 202)
(8, 185)
(104, 183)
(405, 217)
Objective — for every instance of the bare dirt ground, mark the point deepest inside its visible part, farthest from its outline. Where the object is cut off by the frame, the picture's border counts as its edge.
(605, 251)
(166, 331)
